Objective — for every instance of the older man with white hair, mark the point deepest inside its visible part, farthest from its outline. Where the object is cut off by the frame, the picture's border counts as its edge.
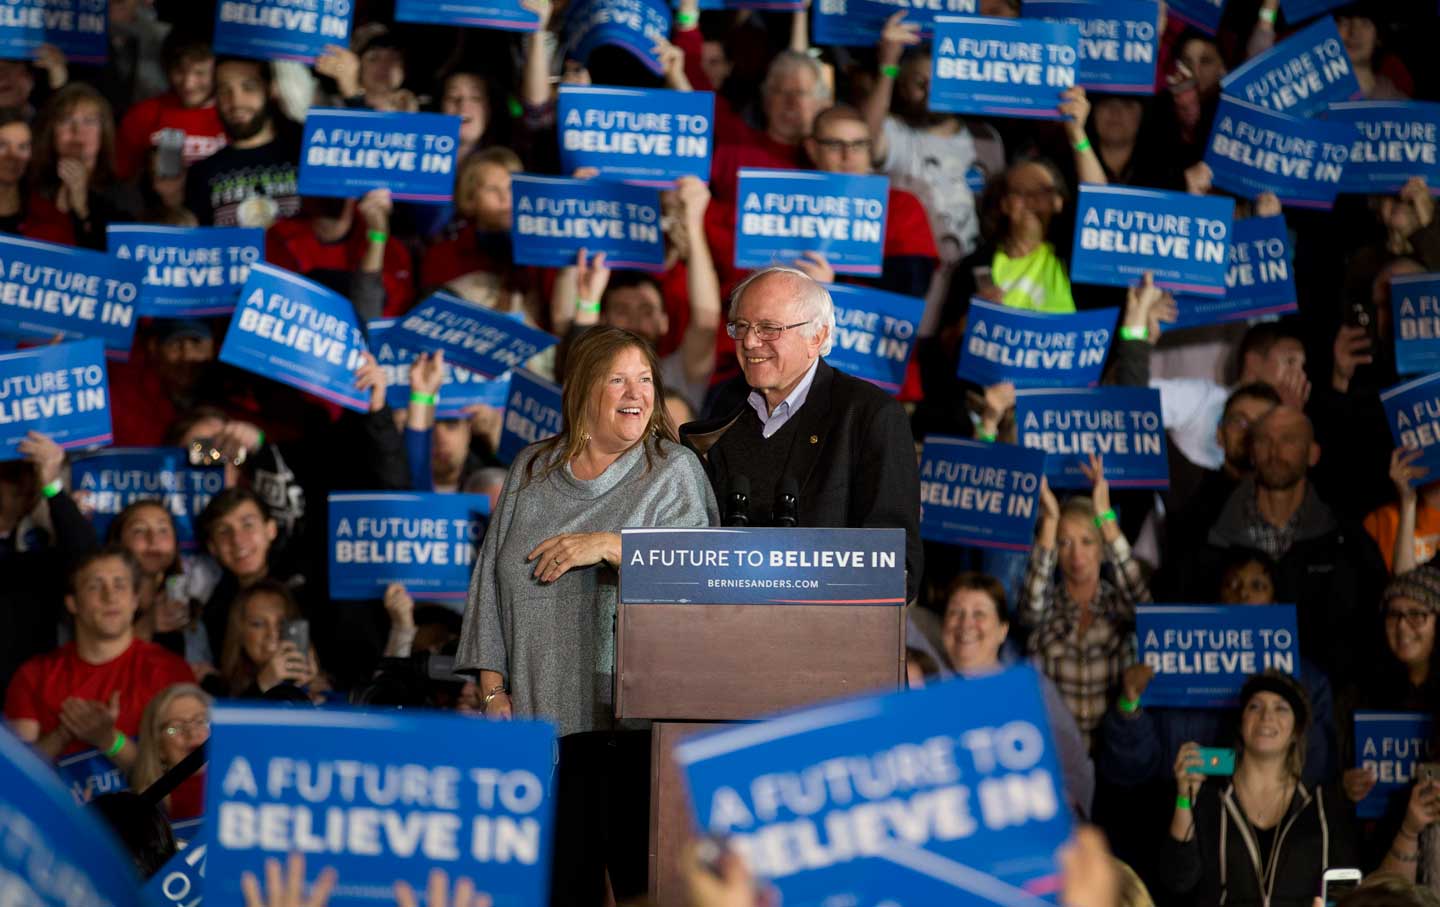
(840, 445)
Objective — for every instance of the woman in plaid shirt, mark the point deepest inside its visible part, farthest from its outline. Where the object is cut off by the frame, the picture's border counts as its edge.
(1082, 623)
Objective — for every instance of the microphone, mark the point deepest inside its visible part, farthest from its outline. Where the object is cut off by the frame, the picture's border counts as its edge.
(787, 503)
(737, 504)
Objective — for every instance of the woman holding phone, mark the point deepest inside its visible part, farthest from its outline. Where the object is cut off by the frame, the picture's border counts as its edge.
(1263, 836)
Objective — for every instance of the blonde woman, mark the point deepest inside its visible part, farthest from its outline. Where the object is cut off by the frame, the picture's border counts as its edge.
(175, 724)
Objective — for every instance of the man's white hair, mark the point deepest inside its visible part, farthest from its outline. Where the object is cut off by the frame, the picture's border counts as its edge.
(815, 302)
(788, 60)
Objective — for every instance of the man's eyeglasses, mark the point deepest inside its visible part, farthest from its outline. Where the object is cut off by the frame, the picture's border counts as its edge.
(842, 145)
(1416, 619)
(764, 330)
(176, 728)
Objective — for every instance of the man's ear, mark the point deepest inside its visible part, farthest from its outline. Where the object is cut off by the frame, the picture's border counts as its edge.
(70, 604)
(272, 529)
(1314, 452)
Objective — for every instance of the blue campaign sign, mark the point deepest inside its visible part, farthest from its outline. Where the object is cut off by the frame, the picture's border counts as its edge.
(554, 218)
(975, 493)
(117, 477)
(1259, 280)
(1202, 654)
(1396, 140)
(634, 25)
(346, 153)
(473, 337)
(858, 23)
(88, 774)
(532, 413)
(53, 853)
(381, 797)
(786, 213)
(48, 290)
(1300, 10)
(762, 566)
(186, 831)
(180, 882)
(1003, 67)
(424, 541)
(975, 818)
(648, 136)
(281, 29)
(1120, 424)
(874, 333)
(77, 27)
(1413, 411)
(1201, 14)
(60, 390)
(459, 387)
(1121, 233)
(510, 15)
(1390, 744)
(1253, 149)
(298, 333)
(1298, 76)
(1033, 349)
(1415, 313)
(1119, 40)
(188, 271)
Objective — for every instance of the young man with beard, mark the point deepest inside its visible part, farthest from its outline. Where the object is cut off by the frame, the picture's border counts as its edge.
(251, 182)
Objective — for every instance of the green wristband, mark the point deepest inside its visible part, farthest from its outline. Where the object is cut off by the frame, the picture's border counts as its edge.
(379, 236)
(890, 70)
(424, 399)
(53, 488)
(1083, 145)
(1127, 705)
(1127, 332)
(1182, 803)
(117, 746)
(588, 306)
(1107, 517)
(985, 435)
(686, 19)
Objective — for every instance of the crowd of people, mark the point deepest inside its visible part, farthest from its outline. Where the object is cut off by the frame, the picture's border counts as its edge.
(1285, 484)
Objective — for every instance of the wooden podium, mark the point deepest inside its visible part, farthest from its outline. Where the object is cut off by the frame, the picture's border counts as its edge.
(686, 665)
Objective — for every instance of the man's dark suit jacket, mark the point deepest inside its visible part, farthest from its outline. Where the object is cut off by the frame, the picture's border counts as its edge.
(859, 472)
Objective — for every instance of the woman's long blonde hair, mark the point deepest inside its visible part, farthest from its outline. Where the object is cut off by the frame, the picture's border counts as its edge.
(149, 761)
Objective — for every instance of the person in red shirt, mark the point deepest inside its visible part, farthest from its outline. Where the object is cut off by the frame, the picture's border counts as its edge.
(92, 691)
(188, 107)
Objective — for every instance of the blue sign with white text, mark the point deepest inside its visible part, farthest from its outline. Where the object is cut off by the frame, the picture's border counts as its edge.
(1259, 280)
(79, 28)
(299, 333)
(60, 390)
(1253, 149)
(188, 271)
(1390, 744)
(281, 29)
(1119, 40)
(48, 290)
(1415, 314)
(648, 136)
(180, 882)
(115, 478)
(1396, 140)
(389, 796)
(424, 541)
(858, 23)
(1201, 14)
(817, 805)
(786, 213)
(53, 853)
(1298, 76)
(510, 15)
(88, 774)
(554, 218)
(1413, 411)
(473, 337)
(1003, 67)
(1123, 232)
(532, 413)
(874, 333)
(460, 388)
(346, 153)
(1120, 424)
(1033, 349)
(762, 566)
(634, 25)
(1203, 654)
(979, 493)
